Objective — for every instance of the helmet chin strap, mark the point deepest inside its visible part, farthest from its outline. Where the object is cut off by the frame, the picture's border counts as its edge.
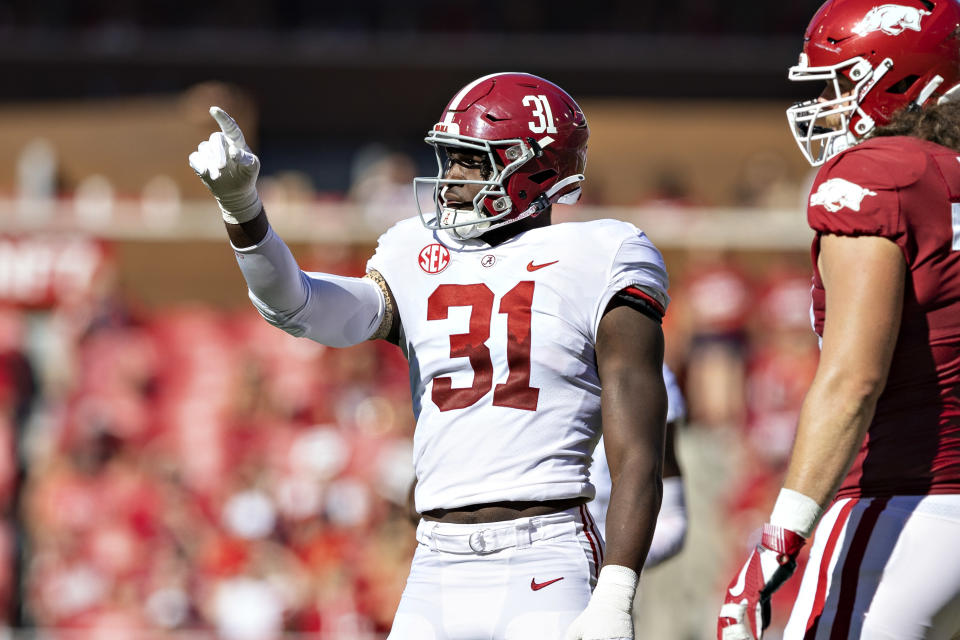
(837, 144)
(927, 91)
(450, 216)
(546, 199)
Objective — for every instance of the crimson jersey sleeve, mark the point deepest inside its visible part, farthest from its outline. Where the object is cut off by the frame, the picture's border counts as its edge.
(857, 193)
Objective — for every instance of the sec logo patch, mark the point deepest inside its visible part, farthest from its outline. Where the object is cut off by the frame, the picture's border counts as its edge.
(434, 258)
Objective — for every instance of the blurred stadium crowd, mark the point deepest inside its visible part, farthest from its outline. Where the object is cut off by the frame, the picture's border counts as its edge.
(190, 469)
(198, 470)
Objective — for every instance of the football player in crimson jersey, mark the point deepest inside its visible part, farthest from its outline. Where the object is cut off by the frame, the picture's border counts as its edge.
(877, 453)
(510, 324)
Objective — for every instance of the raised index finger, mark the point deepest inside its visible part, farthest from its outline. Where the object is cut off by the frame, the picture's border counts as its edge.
(229, 127)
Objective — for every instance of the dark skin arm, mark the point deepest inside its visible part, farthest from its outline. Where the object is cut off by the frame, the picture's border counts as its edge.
(634, 409)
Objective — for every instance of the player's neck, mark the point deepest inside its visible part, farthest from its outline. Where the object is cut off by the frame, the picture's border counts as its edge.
(504, 233)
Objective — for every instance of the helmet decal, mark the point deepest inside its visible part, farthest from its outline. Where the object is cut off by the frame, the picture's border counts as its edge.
(542, 113)
(892, 19)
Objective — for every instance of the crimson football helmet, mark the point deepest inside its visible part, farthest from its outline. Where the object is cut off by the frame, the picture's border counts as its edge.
(534, 137)
(876, 59)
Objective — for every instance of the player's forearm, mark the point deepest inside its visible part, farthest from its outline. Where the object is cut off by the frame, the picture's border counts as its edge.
(632, 515)
(863, 279)
(634, 414)
(833, 422)
(671, 528)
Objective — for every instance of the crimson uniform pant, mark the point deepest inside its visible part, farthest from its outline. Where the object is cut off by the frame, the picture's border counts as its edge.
(882, 569)
(522, 579)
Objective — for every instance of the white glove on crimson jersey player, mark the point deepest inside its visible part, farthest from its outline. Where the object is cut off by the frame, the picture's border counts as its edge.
(522, 337)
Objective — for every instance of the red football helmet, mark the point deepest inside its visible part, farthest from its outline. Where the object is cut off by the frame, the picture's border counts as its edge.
(877, 59)
(535, 139)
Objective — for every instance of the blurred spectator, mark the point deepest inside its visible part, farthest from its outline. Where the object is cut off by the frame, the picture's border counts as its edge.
(290, 194)
(160, 203)
(381, 186)
(670, 189)
(715, 298)
(37, 180)
(94, 201)
(783, 359)
(766, 183)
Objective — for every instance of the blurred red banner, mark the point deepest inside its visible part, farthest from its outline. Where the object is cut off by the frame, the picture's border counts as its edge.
(40, 271)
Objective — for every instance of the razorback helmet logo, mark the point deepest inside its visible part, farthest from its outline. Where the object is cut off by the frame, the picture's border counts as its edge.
(892, 19)
(837, 193)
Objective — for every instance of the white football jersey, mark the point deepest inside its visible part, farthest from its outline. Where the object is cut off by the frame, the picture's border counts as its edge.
(500, 342)
(600, 471)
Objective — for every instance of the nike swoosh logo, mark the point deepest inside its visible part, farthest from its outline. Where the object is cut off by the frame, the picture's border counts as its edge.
(534, 267)
(536, 586)
(741, 582)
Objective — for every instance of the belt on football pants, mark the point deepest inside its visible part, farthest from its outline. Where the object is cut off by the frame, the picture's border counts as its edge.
(484, 538)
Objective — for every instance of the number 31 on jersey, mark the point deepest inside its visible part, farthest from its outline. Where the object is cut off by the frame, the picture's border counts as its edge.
(516, 392)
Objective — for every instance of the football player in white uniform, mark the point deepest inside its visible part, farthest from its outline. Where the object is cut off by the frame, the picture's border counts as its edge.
(510, 324)
(671, 530)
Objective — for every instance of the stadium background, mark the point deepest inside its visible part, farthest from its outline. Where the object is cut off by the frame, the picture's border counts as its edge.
(172, 467)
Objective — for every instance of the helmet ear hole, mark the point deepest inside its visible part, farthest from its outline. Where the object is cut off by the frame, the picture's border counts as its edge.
(542, 176)
(903, 85)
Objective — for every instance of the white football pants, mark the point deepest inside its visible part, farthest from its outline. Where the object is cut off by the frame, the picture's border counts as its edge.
(521, 579)
(882, 569)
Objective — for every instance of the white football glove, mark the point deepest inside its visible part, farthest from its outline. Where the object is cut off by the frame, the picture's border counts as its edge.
(609, 614)
(229, 169)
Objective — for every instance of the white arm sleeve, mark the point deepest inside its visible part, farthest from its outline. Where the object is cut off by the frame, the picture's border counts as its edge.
(671, 529)
(332, 310)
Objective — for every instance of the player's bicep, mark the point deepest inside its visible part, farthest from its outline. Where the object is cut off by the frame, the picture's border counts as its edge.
(863, 277)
